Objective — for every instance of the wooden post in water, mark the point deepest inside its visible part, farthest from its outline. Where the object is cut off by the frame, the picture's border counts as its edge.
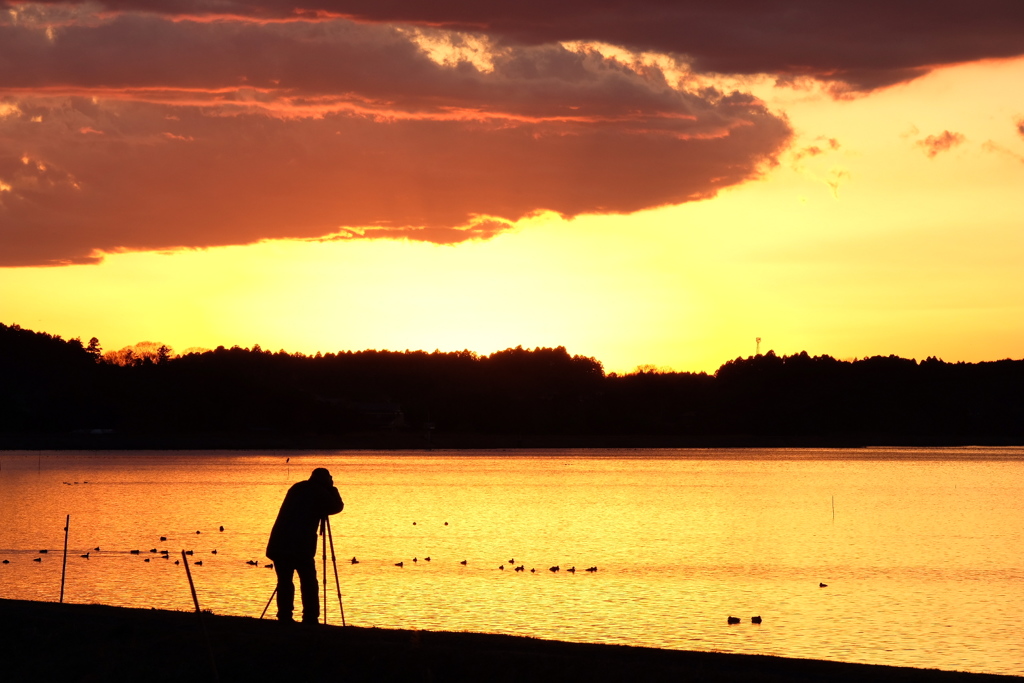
(202, 624)
(268, 602)
(64, 567)
(195, 599)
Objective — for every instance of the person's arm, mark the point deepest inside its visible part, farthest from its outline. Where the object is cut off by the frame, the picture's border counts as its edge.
(333, 504)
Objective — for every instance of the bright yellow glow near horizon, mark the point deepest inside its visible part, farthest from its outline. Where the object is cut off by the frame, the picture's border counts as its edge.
(903, 253)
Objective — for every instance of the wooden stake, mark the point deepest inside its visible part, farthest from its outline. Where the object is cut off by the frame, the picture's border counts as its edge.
(268, 602)
(195, 599)
(64, 567)
(202, 624)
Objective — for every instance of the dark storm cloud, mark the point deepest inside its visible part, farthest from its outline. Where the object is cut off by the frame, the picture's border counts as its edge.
(378, 66)
(857, 46)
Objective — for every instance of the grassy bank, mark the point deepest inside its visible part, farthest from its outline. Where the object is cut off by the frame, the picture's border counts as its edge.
(48, 641)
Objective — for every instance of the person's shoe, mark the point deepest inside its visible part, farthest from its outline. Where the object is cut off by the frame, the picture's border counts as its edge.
(285, 619)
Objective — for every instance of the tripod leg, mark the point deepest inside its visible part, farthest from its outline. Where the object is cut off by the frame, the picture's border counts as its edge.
(269, 601)
(337, 584)
(324, 573)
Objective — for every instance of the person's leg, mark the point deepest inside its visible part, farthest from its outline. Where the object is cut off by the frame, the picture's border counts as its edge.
(284, 569)
(306, 567)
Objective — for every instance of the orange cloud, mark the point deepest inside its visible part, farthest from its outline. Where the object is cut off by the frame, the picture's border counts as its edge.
(216, 177)
(225, 132)
(816, 150)
(944, 141)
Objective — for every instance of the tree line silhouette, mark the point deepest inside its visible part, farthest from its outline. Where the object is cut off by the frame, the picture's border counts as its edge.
(63, 393)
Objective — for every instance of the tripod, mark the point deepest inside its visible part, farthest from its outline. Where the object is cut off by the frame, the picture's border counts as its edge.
(328, 538)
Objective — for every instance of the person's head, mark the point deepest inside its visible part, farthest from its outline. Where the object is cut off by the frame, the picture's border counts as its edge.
(321, 476)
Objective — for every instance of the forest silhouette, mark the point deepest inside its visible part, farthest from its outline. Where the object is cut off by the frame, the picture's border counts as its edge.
(61, 393)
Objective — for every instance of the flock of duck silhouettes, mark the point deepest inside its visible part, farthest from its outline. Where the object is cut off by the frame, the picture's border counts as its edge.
(166, 555)
(520, 568)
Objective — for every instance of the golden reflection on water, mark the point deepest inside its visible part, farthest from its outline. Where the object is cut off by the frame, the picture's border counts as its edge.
(922, 556)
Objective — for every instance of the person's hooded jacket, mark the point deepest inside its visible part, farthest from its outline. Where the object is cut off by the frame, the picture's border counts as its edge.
(306, 503)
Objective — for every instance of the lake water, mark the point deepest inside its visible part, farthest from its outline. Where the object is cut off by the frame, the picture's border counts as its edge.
(921, 549)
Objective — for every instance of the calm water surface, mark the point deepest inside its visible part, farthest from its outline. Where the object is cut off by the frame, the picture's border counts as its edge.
(920, 548)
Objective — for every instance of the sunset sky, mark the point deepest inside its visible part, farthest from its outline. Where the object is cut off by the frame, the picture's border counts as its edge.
(647, 182)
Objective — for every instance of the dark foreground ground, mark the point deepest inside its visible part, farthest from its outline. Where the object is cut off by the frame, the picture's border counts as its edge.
(49, 642)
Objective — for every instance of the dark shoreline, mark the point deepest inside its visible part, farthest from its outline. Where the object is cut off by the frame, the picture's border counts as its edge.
(393, 441)
(101, 643)
(59, 394)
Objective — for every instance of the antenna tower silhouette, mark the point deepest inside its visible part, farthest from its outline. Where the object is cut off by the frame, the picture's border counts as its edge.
(758, 346)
